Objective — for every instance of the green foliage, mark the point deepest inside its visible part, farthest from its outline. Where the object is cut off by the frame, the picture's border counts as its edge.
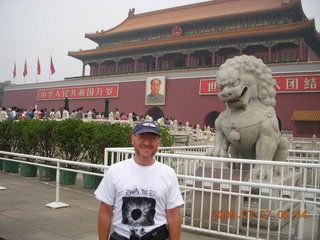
(96, 137)
(47, 144)
(26, 136)
(67, 135)
(13, 137)
(167, 138)
(7, 134)
(70, 139)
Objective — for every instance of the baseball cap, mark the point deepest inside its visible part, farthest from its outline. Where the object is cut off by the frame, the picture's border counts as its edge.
(146, 127)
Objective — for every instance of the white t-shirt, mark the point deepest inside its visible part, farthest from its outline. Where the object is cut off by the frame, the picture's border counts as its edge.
(140, 195)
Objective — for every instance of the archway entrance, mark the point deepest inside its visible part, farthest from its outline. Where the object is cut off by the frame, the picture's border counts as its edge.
(155, 113)
(210, 119)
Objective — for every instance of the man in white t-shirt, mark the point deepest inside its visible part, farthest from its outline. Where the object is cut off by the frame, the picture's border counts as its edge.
(140, 196)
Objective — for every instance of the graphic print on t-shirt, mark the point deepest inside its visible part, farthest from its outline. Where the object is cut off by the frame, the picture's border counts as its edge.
(138, 211)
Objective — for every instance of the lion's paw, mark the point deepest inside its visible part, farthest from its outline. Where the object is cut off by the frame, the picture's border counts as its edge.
(258, 173)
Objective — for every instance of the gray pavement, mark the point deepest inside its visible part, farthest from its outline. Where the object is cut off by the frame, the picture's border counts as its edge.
(24, 215)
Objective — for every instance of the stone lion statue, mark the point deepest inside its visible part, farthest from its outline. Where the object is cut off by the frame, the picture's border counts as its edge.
(248, 128)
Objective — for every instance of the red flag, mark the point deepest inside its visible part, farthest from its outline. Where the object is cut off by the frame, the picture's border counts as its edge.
(38, 67)
(25, 70)
(52, 67)
(14, 70)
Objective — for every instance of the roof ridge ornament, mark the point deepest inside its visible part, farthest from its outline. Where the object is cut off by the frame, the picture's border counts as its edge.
(131, 12)
(177, 31)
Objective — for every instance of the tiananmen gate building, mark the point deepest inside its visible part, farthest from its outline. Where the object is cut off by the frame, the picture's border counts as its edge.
(184, 47)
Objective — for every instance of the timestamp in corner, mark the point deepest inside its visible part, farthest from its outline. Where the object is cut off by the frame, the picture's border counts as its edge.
(263, 214)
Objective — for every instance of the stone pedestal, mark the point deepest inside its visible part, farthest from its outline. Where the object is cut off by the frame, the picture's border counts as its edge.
(272, 209)
(214, 209)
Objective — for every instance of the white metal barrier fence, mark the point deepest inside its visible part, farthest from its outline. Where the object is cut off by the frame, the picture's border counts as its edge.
(231, 197)
(244, 199)
(52, 163)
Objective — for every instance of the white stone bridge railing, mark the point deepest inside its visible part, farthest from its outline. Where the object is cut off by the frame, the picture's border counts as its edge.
(185, 135)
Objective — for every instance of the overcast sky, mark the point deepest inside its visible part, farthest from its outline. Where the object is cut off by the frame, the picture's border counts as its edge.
(41, 28)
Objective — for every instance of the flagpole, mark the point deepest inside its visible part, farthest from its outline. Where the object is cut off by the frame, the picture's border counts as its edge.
(25, 71)
(50, 68)
(14, 71)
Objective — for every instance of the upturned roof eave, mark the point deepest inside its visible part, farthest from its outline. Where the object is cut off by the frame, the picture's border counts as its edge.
(110, 32)
(239, 33)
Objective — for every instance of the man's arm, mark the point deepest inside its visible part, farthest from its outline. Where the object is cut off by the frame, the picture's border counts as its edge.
(174, 223)
(104, 220)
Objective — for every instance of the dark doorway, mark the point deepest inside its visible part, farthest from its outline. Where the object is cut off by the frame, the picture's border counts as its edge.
(210, 119)
(155, 113)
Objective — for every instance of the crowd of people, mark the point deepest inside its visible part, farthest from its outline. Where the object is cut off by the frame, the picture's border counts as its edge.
(16, 113)
(34, 113)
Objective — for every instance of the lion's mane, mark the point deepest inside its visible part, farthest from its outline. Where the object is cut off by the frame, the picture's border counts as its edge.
(256, 67)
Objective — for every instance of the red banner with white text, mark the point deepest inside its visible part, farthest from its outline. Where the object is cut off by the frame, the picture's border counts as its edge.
(284, 84)
(85, 92)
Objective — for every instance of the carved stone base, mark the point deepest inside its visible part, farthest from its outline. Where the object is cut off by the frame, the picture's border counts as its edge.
(272, 213)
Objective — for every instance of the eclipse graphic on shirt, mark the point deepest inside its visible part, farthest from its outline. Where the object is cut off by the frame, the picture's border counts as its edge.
(138, 211)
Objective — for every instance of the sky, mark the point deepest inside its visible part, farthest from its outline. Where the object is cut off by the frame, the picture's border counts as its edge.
(32, 29)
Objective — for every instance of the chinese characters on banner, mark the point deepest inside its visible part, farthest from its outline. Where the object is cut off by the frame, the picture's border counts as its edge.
(101, 91)
(284, 84)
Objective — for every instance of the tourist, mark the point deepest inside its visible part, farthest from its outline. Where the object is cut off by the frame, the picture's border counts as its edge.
(58, 114)
(79, 113)
(51, 114)
(135, 116)
(41, 114)
(29, 113)
(11, 113)
(3, 114)
(94, 113)
(73, 114)
(143, 193)
(116, 114)
(123, 116)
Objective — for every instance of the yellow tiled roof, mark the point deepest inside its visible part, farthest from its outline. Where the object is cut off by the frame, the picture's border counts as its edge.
(265, 30)
(194, 12)
(305, 115)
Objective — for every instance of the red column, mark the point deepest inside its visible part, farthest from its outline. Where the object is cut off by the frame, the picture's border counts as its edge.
(240, 49)
(157, 62)
(83, 69)
(99, 68)
(306, 53)
(117, 67)
(213, 60)
(300, 50)
(269, 53)
(135, 68)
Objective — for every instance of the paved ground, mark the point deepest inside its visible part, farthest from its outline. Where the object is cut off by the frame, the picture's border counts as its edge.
(24, 215)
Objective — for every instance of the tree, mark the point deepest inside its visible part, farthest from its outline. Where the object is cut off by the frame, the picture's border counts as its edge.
(2, 86)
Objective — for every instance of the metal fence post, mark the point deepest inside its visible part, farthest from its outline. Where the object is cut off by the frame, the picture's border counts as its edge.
(57, 203)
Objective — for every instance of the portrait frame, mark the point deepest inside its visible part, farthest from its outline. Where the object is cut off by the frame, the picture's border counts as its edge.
(151, 99)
